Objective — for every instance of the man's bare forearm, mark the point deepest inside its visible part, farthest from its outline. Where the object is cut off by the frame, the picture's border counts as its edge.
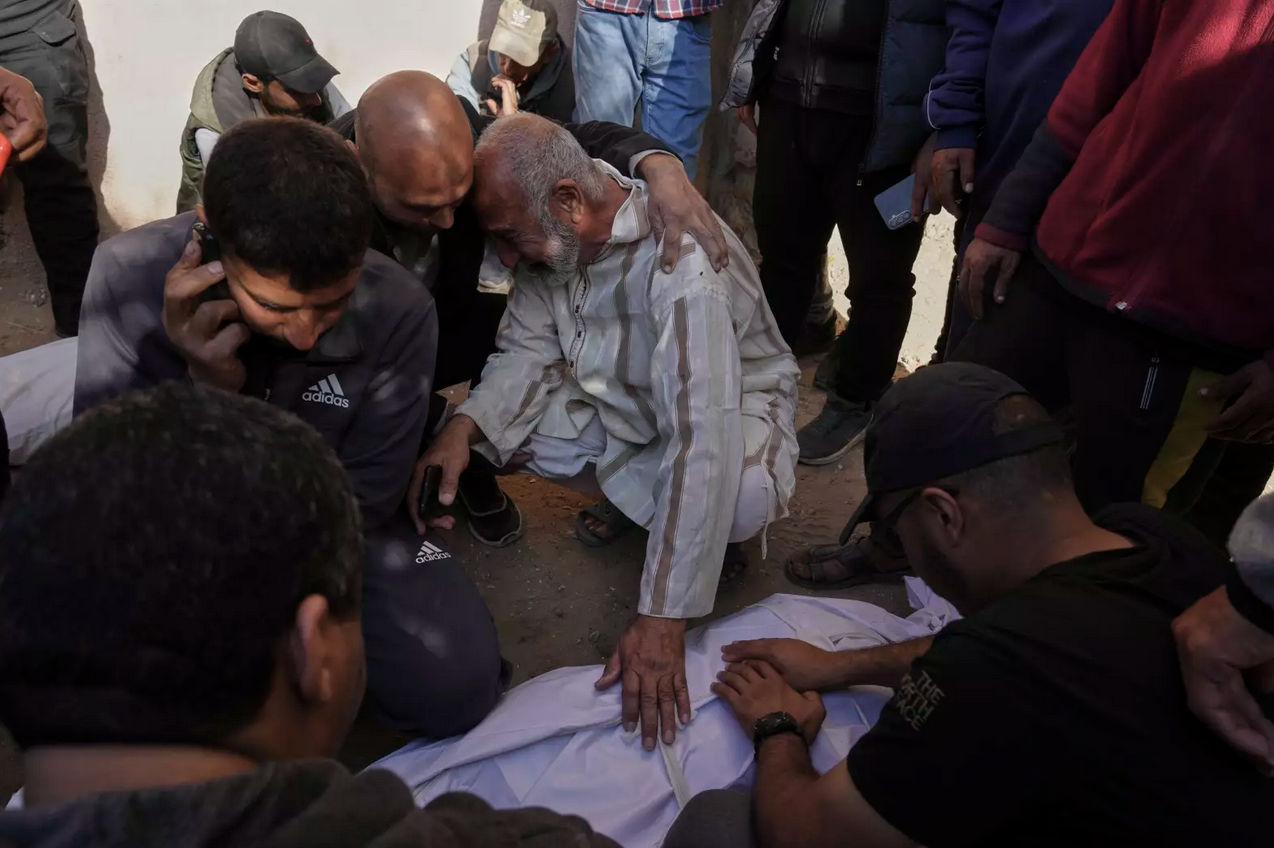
(782, 797)
(882, 666)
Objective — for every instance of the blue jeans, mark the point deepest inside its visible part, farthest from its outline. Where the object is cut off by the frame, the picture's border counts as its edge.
(622, 59)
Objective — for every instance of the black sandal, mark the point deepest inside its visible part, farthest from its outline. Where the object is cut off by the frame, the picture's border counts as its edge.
(607, 513)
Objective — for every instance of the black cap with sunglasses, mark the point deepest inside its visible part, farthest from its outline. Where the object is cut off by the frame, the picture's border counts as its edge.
(939, 422)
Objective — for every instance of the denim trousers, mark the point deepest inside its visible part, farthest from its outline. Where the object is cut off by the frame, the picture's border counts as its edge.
(621, 60)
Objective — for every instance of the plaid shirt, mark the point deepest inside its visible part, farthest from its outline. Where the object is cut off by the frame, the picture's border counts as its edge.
(668, 9)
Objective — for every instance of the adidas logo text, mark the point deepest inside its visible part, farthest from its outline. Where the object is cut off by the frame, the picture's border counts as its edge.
(328, 391)
(430, 553)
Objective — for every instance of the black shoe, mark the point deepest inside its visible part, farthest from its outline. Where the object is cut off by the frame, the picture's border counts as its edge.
(494, 519)
(816, 338)
(839, 427)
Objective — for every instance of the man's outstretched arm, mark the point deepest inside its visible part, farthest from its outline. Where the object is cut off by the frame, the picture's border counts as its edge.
(808, 668)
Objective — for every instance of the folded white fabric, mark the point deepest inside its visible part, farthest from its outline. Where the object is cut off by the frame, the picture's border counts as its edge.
(37, 391)
(555, 742)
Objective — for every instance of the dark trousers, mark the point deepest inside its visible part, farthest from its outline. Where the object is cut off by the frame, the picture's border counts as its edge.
(467, 326)
(718, 818)
(433, 657)
(61, 208)
(807, 182)
(1128, 388)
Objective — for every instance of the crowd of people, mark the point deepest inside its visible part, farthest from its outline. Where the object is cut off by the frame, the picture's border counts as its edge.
(1096, 427)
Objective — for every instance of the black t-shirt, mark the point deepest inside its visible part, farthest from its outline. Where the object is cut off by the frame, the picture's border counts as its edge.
(1057, 716)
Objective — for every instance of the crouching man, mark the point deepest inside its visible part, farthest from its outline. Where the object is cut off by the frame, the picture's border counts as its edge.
(295, 310)
(671, 393)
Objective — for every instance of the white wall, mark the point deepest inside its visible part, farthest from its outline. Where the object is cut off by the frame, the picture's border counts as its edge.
(148, 53)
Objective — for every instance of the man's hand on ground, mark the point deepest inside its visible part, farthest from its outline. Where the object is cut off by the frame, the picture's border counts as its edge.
(22, 121)
(980, 259)
(1251, 417)
(208, 335)
(755, 689)
(651, 661)
(803, 666)
(747, 116)
(920, 193)
(508, 104)
(676, 208)
(953, 177)
(1216, 646)
(449, 451)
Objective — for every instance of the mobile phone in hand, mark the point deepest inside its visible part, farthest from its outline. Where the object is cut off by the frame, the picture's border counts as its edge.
(894, 203)
(210, 251)
(429, 504)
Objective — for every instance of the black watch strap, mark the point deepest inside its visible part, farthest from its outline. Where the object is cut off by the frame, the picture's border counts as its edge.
(772, 725)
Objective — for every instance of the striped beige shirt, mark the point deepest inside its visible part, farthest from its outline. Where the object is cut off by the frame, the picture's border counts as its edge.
(688, 374)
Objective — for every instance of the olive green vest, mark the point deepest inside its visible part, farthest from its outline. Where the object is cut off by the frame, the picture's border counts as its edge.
(206, 113)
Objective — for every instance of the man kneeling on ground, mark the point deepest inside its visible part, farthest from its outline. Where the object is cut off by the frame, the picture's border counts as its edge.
(672, 393)
(180, 648)
(1053, 715)
(296, 311)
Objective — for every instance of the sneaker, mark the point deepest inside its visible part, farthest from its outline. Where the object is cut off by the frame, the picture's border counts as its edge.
(839, 427)
(494, 519)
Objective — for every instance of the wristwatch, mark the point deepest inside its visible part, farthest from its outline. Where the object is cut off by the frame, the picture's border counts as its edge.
(772, 725)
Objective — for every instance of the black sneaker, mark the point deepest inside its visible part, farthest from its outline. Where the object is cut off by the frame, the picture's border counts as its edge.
(494, 519)
(839, 427)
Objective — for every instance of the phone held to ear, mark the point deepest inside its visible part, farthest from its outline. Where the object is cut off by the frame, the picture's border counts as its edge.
(211, 252)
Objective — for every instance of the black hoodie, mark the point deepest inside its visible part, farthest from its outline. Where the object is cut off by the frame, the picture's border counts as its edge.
(308, 804)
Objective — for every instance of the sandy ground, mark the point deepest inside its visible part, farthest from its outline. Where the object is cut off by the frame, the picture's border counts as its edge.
(557, 602)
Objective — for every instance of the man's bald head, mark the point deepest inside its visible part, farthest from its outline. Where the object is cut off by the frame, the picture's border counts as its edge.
(416, 145)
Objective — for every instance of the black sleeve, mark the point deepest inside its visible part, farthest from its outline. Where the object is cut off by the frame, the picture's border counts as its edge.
(1248, 604)
(1022, 197)
(614, 144)
(961, 750)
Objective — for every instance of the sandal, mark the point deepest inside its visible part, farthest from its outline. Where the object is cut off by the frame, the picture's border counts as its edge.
(842, 566)
(734, 564)
(608, 514)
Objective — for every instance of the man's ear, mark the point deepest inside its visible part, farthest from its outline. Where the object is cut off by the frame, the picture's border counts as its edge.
(253, 83)
(312, 652)
(354, 147)
(570, 200)
(946, 509)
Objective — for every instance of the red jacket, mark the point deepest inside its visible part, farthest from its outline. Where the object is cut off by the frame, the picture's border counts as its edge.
(1165, 214)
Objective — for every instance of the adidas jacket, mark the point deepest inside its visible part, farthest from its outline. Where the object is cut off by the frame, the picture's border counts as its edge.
(365, 386)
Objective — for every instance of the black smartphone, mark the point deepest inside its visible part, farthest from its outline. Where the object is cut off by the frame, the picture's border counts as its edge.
(429, 505)
(210, 252)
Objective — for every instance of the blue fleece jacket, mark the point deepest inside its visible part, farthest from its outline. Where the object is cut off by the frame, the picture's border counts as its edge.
(1006, 61)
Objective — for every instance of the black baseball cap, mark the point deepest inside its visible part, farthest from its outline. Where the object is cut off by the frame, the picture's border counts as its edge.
(938, 422)
(274, 46)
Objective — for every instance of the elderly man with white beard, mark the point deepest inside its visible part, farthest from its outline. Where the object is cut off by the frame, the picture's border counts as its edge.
(673, 394)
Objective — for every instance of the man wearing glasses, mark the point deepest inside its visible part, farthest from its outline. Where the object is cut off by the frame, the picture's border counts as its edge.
(1053, 714)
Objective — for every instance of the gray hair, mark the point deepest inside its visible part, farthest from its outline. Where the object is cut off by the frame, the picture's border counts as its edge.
(541, 154)
(1252, 546)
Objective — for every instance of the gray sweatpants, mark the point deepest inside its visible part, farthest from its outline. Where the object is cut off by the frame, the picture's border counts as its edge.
(433, 658)
(718, 818)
